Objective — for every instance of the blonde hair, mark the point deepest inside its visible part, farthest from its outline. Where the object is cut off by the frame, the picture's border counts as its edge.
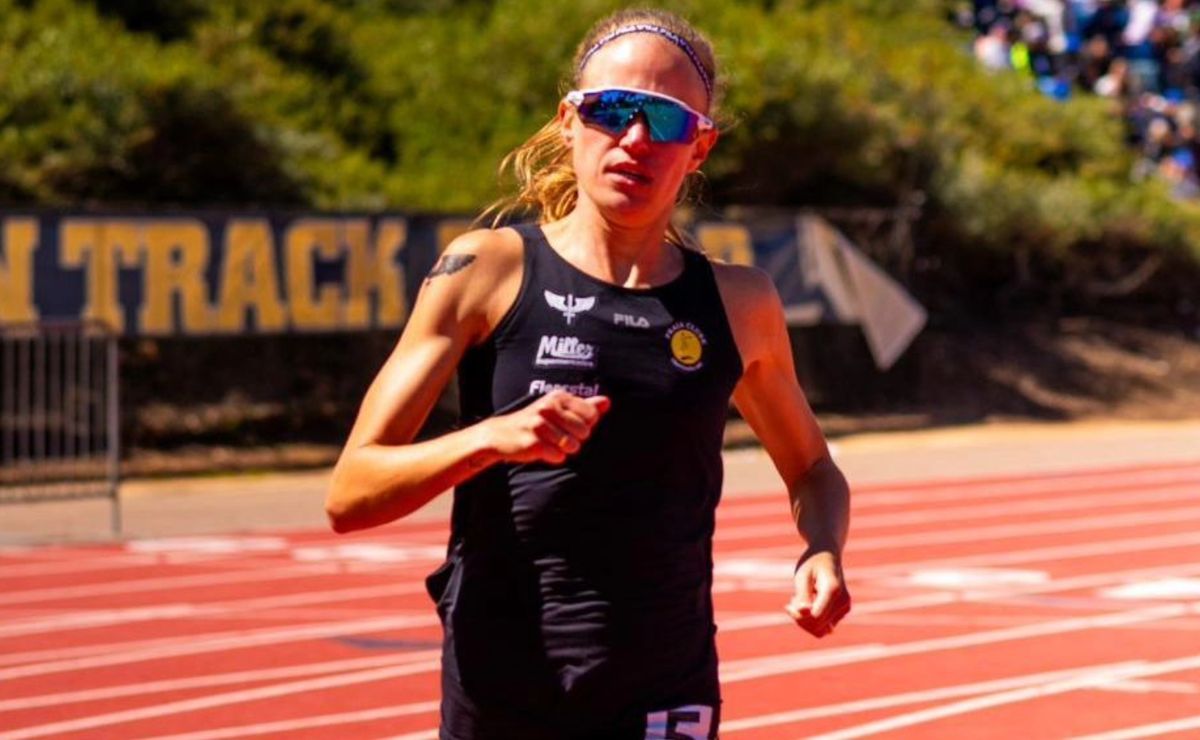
(542, 165)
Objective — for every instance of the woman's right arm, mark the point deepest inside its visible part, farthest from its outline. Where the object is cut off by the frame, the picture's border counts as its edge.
(381, 474)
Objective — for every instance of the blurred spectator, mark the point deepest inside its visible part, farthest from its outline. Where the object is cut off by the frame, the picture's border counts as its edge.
(1115, 84)
(992, 48)
(1143, 54)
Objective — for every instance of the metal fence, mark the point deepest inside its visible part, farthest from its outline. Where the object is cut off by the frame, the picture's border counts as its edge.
(59, 430)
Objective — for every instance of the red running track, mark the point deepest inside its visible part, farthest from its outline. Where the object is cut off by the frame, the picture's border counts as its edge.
(1054, 606)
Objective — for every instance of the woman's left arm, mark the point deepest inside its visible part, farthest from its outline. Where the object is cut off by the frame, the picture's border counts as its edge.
(769, 397)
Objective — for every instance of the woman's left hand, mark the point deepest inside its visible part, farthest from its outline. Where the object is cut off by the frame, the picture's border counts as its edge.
(821, 598)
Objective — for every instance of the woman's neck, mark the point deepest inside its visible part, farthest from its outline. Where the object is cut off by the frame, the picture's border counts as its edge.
(629, 256)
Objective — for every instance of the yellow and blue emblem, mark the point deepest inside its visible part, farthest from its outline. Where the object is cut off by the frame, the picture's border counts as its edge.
(687, 344)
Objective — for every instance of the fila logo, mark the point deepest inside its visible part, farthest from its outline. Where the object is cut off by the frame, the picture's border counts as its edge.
(569, 305)
(583, 390)
(625, 319)
(565, 352)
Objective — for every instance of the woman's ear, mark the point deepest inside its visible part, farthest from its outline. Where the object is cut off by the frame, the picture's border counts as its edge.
(565, 117)
(703, 144)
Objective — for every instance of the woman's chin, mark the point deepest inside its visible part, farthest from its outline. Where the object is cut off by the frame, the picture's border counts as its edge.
(630, 206)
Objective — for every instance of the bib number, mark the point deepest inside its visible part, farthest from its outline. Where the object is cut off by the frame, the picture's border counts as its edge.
(691, 722)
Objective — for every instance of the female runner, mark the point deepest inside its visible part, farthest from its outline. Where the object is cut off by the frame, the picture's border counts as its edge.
(596, 357)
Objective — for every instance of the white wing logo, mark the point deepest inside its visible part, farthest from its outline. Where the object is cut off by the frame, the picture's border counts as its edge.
(569, 305)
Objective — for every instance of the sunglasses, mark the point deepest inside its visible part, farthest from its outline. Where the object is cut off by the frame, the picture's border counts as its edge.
(614, 109)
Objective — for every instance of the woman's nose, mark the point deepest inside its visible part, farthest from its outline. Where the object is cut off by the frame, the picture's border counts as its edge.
(638, 133)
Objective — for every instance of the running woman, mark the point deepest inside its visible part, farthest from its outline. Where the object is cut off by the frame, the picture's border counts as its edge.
(596, 358)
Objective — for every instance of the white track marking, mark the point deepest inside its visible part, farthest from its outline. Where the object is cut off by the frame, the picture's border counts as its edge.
(1008, 531)
(1090, 680)
(967, 489)
(743, 509)
(963, 578)
(1003, 590)
(163, 583)
(227, 640)
(748, 669)
(221, 641)
(1154, 494)
(1056, 553)
(737, 624)
(78, 565)
(104, 617)
(905, 698)
(1002, 594)
(209, 545)
(214, 679)
(1133, 686)
(1163, 588)
(95, 618)
(753, 668)
(309, 614)
(307, 723)
(220, 700)
(782, 527)
(422, 735)
(1052, 554)
(1153, 730)
(1032, 487)
(1004, 531)
(370, 553)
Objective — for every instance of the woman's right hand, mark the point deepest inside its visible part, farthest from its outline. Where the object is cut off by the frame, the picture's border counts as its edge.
(548, 430)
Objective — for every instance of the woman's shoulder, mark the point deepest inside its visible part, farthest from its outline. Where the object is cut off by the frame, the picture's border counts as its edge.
(496, 246)
(745, 284)
(490, 262)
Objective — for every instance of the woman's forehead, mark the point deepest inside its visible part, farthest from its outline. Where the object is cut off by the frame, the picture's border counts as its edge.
(646, 62)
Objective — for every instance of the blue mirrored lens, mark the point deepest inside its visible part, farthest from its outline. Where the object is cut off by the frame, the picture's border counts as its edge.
(668, 122)
(616, 110)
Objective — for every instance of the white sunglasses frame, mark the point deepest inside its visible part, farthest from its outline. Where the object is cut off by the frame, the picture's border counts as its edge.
(703, 122)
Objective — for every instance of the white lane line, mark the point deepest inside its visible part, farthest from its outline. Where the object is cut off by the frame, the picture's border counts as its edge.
(1153, 730)
(990, 487)
(735, 509)
(221, 641)
(225, 640)
(905, 698)
(163, 583)
(1090, 680)
(783, 527)
(992, 595)
(1040, 554)
(1004, 531)
(214, 679)
(308, 614)
(984, 488)
(220, 700)
(151, 648)
(1086, 499)
(1052, 554)
(1136, 686)
(96, 618)
(758, 667)
(107, 617)
(753, 668)
(78, 565)
(422, 735)
(305, 723)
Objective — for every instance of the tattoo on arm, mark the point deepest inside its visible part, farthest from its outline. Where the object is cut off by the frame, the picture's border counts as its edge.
(448, 264)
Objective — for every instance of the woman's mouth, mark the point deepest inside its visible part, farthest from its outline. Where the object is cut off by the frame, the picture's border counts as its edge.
(630, 174)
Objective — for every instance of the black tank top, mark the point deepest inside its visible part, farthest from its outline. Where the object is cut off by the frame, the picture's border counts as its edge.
(589, 583)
